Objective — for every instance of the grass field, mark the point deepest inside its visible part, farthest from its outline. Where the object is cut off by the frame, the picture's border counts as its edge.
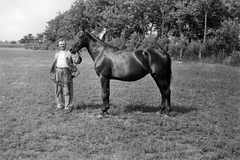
(204, 124)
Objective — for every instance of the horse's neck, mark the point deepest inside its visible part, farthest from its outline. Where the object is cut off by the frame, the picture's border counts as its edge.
(95, 49)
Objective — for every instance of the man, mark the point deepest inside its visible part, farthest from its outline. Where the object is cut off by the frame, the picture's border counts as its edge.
(62, 72)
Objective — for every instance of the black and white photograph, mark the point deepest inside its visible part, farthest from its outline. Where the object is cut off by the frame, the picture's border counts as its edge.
(119, 79)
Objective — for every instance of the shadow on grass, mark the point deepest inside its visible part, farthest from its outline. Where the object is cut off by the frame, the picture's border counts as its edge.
(176, 109)
(84, 106)
(183, 109)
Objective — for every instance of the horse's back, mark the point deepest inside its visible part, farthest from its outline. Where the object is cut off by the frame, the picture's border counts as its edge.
(157, 55)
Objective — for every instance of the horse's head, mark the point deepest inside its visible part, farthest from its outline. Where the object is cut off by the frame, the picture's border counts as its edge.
(78, 42)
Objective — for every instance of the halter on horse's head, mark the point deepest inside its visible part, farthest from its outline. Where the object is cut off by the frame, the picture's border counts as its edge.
(78, 42)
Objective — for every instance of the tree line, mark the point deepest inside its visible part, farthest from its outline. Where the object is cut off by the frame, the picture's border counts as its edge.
(191, 29)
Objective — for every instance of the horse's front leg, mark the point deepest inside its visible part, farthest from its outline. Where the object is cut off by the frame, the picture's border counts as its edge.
(105, 94)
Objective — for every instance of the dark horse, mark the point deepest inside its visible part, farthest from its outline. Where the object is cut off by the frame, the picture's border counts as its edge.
(113, 63)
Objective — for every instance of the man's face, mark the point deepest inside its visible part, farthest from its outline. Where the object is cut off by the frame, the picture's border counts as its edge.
(62, 45)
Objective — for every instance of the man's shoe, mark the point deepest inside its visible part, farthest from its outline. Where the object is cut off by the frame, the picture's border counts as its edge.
(68, 109)
(59, 108)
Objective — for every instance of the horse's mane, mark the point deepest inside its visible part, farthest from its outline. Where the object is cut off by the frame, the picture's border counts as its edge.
(94, 38)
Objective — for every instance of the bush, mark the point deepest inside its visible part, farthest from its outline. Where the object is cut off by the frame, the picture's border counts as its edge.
(44, 46)
(228, 36)
(210, 48)
(173, 50)
(224, 42)
(34, 46)
(134, 41)
(53, 46)
(149, 41)
(163, 44)
(192, 50)
(233, 60)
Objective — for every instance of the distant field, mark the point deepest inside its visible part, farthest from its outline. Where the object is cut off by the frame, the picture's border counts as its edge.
(204, 124)
(9, 45)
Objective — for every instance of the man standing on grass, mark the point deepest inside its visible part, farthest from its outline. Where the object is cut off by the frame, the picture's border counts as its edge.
(62, 72)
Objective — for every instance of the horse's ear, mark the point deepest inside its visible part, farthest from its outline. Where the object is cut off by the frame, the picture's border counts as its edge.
(84, 24)
(81, 28)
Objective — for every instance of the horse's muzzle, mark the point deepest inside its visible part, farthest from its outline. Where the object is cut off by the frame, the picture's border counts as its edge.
(71, 50)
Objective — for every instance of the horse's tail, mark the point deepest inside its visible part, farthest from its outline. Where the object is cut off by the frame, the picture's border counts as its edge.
(169, 65)
(169, 69)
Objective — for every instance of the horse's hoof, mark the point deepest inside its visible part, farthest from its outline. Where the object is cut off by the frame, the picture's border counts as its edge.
(160, 111)
(100, 116)
(168, 113)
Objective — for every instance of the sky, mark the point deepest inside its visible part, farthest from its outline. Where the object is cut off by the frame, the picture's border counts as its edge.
(21, 17)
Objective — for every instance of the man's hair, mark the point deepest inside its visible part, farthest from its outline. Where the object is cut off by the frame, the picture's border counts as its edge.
(62, 40)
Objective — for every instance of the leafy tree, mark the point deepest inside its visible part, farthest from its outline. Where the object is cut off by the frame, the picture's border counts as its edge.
(27, 39)
(13, 42)
(187, 23)
(112, 15)
(214, 13)
(94, 14)
(127, 22)
(54, 29)
(233, 8)
(228, 36)
(39, 38)
(160, 15)
(74, 19)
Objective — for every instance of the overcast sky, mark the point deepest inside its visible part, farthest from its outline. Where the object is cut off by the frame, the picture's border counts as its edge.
(21, 17)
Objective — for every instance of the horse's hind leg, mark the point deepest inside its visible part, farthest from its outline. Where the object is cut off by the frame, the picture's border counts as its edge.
(105, 83)
(165, 91)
